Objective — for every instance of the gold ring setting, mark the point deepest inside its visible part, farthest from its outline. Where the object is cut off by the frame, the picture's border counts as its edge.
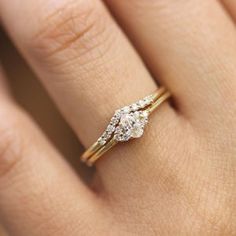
(127, 123)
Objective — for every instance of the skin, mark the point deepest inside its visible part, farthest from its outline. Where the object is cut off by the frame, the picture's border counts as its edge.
(180, 177)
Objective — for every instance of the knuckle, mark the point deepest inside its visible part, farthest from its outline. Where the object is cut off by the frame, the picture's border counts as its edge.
(70, 31)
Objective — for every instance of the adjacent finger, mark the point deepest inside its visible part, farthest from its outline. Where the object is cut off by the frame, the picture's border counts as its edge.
(190, 46)
(39, 193)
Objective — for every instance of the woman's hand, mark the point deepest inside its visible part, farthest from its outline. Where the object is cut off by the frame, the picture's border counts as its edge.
(180, 177)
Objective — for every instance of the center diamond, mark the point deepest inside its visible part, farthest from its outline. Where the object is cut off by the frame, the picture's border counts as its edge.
(131, 125)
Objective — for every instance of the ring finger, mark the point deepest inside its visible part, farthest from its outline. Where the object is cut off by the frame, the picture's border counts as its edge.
(85, 62)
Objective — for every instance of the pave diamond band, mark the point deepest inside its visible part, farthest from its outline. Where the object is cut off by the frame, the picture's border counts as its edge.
(127, 123)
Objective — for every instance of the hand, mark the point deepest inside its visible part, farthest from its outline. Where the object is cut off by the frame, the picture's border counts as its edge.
(180, 177)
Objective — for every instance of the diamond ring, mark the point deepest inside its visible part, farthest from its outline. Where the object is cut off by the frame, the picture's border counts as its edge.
(127, 123)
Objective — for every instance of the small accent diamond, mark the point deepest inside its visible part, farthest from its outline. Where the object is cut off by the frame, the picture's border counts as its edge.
(117, 114)
(110, 129)
(125, 109)
(134, 107)
(142, 103)
(101, 141)
(114, 121)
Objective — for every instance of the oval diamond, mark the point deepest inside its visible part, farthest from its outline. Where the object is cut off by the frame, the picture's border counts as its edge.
(131, 126)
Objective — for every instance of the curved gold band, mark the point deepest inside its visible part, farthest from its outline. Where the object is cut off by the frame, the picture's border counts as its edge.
(92, 154)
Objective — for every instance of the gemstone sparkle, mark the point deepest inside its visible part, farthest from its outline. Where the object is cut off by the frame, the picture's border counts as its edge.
(131, 126)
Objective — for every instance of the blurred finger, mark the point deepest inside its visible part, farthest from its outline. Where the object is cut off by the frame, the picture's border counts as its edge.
(39, 193)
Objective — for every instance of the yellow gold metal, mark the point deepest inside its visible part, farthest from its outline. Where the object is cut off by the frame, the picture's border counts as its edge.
(158, 102)
(90, 151)
(101, 151)
(92, 154)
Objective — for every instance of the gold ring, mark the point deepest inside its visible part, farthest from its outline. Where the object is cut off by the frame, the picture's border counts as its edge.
(127, 123)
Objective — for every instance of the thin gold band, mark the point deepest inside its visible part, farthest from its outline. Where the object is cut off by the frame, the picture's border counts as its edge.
(92, 154)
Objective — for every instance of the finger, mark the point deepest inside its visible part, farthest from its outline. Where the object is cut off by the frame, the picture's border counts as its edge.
(186, 47)
(85, 61)
(39, 193)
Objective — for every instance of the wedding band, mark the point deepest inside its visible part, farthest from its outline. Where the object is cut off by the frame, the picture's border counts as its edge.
(127, 123)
